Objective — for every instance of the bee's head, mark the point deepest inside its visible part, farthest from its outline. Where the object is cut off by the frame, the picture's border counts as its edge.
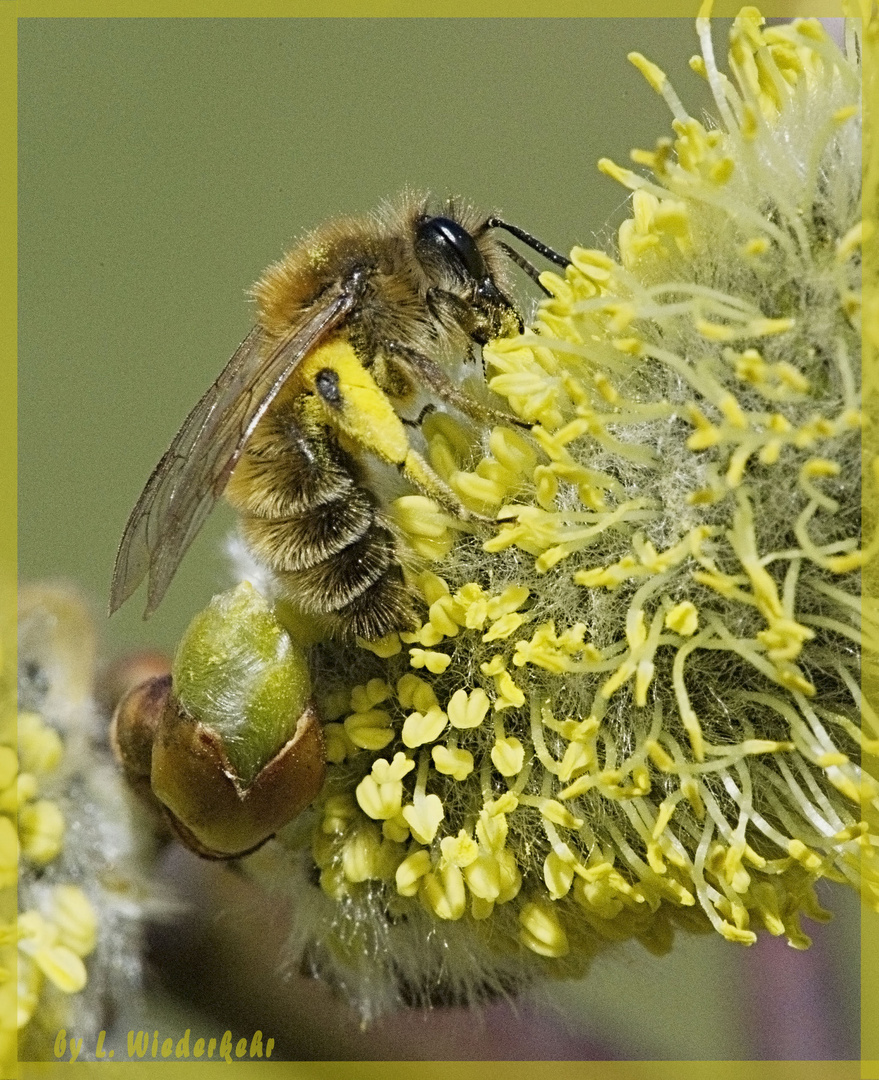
(463, 282)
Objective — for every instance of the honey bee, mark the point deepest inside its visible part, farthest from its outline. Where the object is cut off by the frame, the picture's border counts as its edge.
(351, 322)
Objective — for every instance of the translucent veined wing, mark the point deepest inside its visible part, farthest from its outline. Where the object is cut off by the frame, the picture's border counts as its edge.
(196, 467)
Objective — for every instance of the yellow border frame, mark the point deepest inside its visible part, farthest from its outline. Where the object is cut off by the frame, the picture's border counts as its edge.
(8, 457)
(870, 580)
(392, 8)
(10, 12)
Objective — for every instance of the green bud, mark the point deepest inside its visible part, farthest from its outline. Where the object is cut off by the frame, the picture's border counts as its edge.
(238, 673)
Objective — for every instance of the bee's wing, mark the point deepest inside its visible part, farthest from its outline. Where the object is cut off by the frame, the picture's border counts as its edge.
(197, 465)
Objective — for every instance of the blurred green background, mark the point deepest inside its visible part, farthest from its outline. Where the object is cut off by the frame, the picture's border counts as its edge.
(165, 163)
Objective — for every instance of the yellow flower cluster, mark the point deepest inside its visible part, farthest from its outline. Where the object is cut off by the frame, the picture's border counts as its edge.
(64, 822)
(55, 936)
(635, 704)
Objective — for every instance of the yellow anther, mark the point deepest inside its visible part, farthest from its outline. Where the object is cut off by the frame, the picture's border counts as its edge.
(63, 968)
(721, 171)
(373, 693)
(509, 694)
(691, 792)
(396, 829)
(456, 763)
(503, 627)
(759, 245)
(444, 892)
(660, 758)
(410, 686)
(370, 730)
(826, 761)
(672, 217)
(821, 467)
(714, 331)
(384, 647)
(654, 75)
(779, 423)
(339, 810)
(594, 264)
(643, 157)
(460, 850)
(541, 931)
(844, 564)
(508, 756)
(683, 618)
(492, 827)
(431, 587)
(697, 64)
(810, 29)
(361, 856)
(468, 710)
(791, 377)
(334, 883)
(764, 746)
(623, 176)
(410, 872)
(380, 794)
(513, 451)
(494, 666)
(477, 489)
(423, 818)
(435, 662)
(798, 850)
(733, 411)
(430, 635)
(445, 617)
(425, 523)
(558, 873)
(643, 677)
(420, 728)
(513, 597)
(558, 814)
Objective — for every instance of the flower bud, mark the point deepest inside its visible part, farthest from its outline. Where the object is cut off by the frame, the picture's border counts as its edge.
(231, 743)
(211, 810)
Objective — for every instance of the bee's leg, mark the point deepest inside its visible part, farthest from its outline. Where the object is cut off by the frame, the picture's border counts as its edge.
(500, 319)
(429, 373)
(419, 419)
(446, 307)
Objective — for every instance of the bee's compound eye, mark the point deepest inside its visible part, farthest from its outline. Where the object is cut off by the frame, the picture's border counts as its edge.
(439, 237)
(326, 382)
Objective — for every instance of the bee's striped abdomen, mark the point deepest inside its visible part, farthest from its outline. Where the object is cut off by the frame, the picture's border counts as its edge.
(306, 515)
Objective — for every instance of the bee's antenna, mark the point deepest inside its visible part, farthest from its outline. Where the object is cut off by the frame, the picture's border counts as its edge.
(526, 238)
(529, 268)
